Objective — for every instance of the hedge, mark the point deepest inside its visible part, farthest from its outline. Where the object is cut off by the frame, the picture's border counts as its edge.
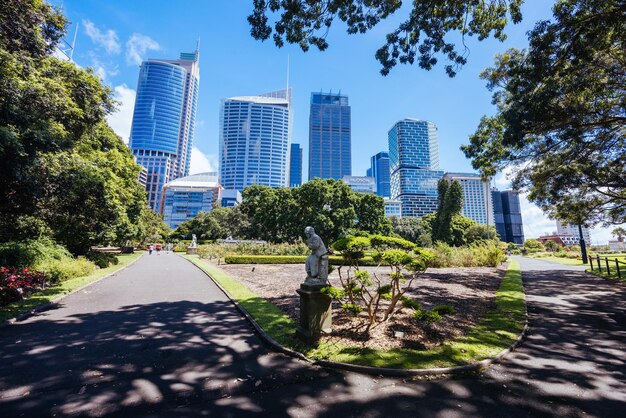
(288, 259)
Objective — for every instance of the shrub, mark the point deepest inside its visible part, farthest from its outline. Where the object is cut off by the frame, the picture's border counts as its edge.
(427, 316)
(284, 259)
(60, 270)
(411, 303)
(444, 309)
(102, 260)
(484, 254)
(16, 284)
(30, 253)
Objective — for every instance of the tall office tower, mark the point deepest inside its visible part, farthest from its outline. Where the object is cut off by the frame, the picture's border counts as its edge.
(508, 216)
(414, 166)
(380, 171)
(164, 120)
(330, 154)
(254, 135)
(295, 165)
(477, 203)
(572, 229)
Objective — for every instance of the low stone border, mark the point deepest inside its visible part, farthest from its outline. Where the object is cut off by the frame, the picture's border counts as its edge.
(52, 303)
(377, 371)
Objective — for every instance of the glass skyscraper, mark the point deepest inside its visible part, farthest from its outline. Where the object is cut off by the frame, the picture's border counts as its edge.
(185, 197)
(508, 216)
(255, 132)
(380, 171)
(414, 166)
(477, 202)
(330, 154)
(162, 131)
(295, 165)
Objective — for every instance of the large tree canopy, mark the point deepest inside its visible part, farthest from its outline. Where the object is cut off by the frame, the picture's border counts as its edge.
(561, 120)
(423, 35)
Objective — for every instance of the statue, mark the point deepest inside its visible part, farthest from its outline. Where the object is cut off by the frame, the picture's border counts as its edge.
(194, 242)
(317, 262)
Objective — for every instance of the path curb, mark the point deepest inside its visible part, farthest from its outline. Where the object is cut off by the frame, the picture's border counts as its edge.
(52, 303)
(377, 371)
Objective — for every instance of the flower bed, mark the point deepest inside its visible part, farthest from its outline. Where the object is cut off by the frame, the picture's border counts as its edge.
(16, 284)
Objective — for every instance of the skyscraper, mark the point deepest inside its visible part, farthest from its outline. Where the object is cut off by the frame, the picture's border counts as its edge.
(185, 197)
(508, 216)
(477, 203)
(414, 166)
(163, 127)
(380, 171)
(567, 228)
(255, 132)
(330, 154)
(295, 165)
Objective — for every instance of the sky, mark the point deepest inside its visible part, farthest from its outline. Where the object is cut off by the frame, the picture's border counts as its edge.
(113, 37)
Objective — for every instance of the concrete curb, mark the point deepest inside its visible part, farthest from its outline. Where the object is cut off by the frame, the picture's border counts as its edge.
(377, 371)
(52, 303)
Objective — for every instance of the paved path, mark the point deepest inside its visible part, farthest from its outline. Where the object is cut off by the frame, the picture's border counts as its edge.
(158, 339)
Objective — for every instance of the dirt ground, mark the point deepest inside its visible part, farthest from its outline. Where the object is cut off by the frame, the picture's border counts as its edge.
(471, 291)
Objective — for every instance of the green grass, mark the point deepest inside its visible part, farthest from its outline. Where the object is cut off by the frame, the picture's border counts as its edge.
(497, 331)
(563, 260)
(14, 309)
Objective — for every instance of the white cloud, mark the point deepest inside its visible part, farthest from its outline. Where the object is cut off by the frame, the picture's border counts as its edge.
(201, 162)
(107, 39)
(137, 46)
(122, 120)
(535, 222)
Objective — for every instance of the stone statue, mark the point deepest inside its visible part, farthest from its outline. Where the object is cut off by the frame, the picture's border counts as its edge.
(194, 241)
(317, 262)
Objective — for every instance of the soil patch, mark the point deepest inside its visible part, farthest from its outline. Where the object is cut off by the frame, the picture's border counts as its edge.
(471, 291)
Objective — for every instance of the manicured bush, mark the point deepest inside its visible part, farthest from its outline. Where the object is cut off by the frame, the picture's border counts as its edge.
(102, 260)
(60, 270)
(285, 259)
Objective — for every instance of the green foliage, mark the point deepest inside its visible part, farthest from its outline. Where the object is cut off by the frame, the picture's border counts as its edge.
(415, 230)
(619, 233)
(31, 253)
(333, 292)
(102, 260)
(353, 308)
(446, 220)
(427, 316)
(533, 246)
(444, 309)
(61, 270)
(477, 255)
(370, 213)
(380, 242)
(561, 114)
(411, 303)
(419, 37)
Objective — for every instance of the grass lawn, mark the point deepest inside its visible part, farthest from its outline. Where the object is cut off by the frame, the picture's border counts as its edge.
(496, 332)
(14, 309)
(602, 271)
(563, 260)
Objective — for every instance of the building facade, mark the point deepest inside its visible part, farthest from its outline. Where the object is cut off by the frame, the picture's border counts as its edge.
(163, 126)
(255, 132)
(295, 165)
(477, 202)
(185, 197)
(360, 184)
(414, 166)
(380, 171)
(571, 229)
(393, 208)
(508, 216)
(330, 153)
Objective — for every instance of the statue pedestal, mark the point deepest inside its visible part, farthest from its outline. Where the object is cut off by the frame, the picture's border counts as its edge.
(192, 250)
(315, 313)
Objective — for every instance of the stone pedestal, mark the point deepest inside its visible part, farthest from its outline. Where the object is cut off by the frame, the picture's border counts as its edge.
(315, 313)
(192, 250)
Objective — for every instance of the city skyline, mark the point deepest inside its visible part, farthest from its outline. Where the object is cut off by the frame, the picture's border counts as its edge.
(113, 38)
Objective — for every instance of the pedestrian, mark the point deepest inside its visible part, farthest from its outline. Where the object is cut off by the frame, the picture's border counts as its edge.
(158, 248)
(150, 248)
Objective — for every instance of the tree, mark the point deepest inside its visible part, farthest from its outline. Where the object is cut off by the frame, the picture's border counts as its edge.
(370, 214)
(423, 35)
(413, 229)
(450, 203)
(619, 233)
(560, 120)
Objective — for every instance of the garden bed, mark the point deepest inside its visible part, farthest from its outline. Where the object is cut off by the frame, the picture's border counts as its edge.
(471, 291)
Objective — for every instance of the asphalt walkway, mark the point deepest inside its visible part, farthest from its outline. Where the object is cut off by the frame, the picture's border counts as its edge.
(159, 339)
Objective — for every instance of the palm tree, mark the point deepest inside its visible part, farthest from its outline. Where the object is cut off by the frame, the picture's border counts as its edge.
(619, 233)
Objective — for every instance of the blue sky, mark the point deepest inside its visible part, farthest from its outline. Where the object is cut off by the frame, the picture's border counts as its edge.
(114, 36)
